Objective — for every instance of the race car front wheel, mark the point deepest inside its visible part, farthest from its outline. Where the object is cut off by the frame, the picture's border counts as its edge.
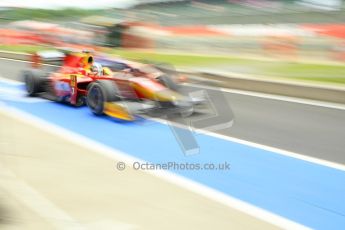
(100, 92)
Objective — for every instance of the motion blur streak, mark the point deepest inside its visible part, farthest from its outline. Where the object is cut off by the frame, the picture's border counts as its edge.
(66, 167)
(286, 187)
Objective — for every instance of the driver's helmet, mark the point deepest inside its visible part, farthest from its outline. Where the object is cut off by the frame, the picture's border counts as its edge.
(97, 69)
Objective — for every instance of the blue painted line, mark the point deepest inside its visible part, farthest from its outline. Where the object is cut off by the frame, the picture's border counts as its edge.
(307, 193)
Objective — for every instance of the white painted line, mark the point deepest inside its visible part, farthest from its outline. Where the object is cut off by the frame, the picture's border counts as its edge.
(273, 97)
(253, 144)
(10, 81)
(16, 94)
(242, 92)
(37, 202)
(256, 145)
(249, 93)
(166, 175)
(276, 79)
(279, 151)
(16, 60)
(46, 209)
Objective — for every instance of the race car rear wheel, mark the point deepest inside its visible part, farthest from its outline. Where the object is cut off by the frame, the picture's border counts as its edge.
(34, 82)
(99, 92)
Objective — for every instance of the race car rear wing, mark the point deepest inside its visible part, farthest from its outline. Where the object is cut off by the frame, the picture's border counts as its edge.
(58, 57)
(50, 57)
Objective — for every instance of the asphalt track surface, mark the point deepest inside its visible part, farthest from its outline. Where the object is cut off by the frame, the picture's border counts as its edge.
(310, 130)
(307, 193)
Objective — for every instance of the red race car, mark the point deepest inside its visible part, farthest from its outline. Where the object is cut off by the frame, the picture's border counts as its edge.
(121, 93)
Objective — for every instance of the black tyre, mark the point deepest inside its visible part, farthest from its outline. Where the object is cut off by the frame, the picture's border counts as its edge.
(99, 92)
(80, 101)
(35, 82)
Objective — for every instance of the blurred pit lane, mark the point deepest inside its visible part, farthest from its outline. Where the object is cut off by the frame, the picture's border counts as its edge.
(42, 173)
(47, 182)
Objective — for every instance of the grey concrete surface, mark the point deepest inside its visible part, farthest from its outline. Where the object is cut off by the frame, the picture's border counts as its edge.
(47, 182)
(305, 129)
(279, 87)
(290, 88)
